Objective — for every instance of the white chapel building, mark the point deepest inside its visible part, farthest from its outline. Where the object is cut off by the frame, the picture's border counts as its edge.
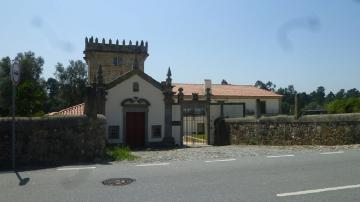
(141, 111)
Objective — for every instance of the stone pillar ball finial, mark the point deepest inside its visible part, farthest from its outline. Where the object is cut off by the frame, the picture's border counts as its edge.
(96, 40)
(117, 41)
(123, 43)
(142, 43)
(103, 41)
(130, 43)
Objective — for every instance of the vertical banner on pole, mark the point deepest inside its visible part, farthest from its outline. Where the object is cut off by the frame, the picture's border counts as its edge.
(15, 78)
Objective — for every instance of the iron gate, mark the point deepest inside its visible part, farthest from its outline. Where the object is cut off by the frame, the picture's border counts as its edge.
(194, 124)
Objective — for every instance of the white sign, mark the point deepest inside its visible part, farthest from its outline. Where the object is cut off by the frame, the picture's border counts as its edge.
(15, 73)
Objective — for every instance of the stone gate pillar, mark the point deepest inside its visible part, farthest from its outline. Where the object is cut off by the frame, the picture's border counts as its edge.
(207, 112)
(168, 139)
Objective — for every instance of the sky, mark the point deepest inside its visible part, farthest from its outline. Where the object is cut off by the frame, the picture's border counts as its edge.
(306, 43)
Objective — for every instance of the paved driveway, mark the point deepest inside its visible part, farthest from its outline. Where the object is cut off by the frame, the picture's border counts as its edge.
(232, 151)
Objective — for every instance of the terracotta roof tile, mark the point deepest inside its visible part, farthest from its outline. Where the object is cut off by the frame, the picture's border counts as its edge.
(225, 90)
(73, 110)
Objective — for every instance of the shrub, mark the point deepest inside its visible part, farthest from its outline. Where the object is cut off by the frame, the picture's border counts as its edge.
(349, 105)
(120, 153)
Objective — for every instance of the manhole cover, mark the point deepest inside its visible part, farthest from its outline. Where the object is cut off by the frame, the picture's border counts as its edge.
(118, 181)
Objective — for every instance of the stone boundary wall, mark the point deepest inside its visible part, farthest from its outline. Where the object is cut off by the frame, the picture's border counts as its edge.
(328, 129)
(53, 140)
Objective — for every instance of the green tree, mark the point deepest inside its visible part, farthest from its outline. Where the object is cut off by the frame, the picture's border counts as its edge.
(318, 96)
(31, 94)
(330, 97)
(71, 83)
(53, 104)
(270, 86)
(5, 87)
(340, 94)
(288, 100)
(352, 93)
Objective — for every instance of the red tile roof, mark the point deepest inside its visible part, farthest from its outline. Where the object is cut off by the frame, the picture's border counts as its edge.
(225, 90)
(73, 110)
(188, 89)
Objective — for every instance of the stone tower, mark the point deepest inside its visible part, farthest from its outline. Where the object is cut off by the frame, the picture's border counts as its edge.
(115, 59)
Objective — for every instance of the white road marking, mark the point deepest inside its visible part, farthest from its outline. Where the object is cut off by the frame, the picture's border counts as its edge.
(279, 156)
(76, 168)
(318, 190)
(335, 152)
(153, 164)
(220, 160)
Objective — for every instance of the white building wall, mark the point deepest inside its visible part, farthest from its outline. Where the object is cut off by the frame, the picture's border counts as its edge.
(233, 110)
(124, 90)
(272, 105)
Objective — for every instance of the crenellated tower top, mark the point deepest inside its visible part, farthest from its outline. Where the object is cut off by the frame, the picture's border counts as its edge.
(115, 58)
(92, 44)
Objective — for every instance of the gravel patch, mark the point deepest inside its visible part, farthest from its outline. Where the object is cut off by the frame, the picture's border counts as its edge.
(231, 151)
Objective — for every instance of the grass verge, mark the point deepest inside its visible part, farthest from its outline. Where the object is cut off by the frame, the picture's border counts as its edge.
(120, 153)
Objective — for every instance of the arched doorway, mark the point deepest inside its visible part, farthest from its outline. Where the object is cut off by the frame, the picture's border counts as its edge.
(135, 121)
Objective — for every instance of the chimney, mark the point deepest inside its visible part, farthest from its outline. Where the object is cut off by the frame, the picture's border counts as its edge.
(207, 85)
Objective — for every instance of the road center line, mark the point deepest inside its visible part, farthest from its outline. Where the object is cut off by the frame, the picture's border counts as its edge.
(76, 168)
(318, 190)
(279, 156)
(335, 152)
(220, 160)
(153, 164)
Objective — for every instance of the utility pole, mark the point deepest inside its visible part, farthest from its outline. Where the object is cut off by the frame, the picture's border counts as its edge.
(15, 78)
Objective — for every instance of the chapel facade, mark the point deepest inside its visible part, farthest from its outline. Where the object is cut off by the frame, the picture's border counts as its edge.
(141, 111)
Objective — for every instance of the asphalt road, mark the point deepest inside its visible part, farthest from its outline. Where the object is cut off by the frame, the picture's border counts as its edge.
(277, 177)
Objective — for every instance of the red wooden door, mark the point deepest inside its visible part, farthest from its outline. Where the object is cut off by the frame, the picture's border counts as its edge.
(135, 129)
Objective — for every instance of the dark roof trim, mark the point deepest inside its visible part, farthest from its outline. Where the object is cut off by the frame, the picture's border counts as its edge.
(132, 73)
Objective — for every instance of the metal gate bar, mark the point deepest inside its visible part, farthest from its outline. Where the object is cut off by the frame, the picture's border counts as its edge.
(194, 124)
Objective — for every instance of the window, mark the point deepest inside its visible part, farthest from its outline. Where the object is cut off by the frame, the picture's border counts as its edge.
(262, 107)
(114, 132)
(156, 131)
(194, 111)
(135, 87)
(115, 61)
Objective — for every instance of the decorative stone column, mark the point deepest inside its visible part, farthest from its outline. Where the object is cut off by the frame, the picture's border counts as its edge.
(168, 139)
(95, 96)
(100, 93)
(90, 109)
(180, 102)
(207, 111)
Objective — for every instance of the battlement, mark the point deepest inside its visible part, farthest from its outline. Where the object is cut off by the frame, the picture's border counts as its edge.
(92, 44)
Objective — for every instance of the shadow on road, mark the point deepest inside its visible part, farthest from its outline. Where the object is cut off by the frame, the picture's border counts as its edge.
(22, 181)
